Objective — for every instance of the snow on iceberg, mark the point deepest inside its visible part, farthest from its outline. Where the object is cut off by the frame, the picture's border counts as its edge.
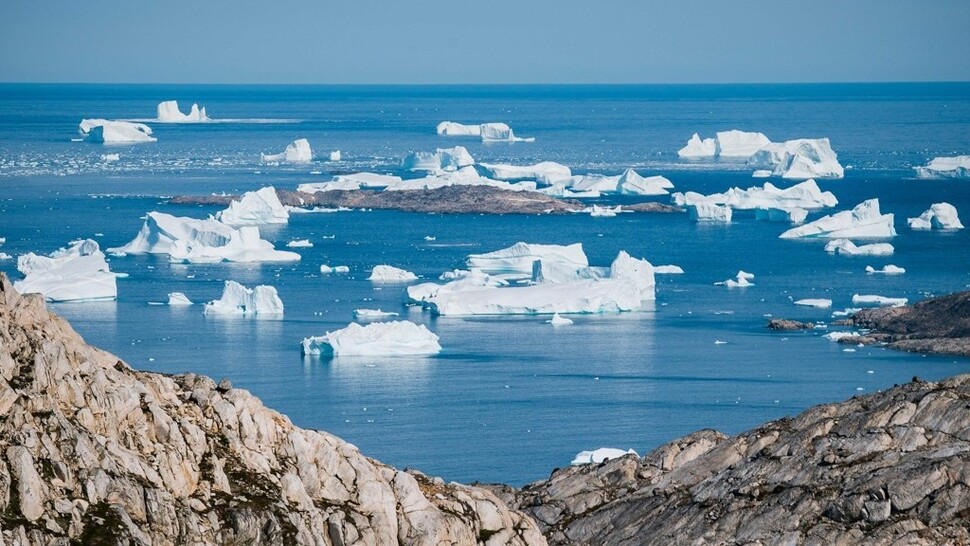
(297, 151)
(846, 247)
(546, 172)
(815, 302)
(799, 159)
(395, 338)
(391, 274)
(518, 259)
(238, 300)
(372, 314)
(178, 299)
(871, 299)
(465, 176)
(255, 208)
(863, 221)
(741, 280)
(709, 212)
(600, 455)
(938, 216)
(441, 160)
(886, 270)
(946, 167)
(76, 273)
(202, 241)
(107, 131)
(168, 112)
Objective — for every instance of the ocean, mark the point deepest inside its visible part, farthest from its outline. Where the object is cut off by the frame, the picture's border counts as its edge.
(509, 398)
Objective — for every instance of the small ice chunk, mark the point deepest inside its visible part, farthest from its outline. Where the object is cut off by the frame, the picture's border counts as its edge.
(110, 158)
(836, 336)
(335, 155)
(168, 112)
(372, 314)
(597, 211)
(178, 299)
(741, 280)
(872, 299)
(889, 269)
(558, 320)
(106, 131)
(298, 151)
(395, 338)
(300, 243)
(600, 455)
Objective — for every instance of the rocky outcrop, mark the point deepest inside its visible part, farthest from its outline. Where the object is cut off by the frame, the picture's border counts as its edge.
(788, 324)
(935, 325)
(94, 452)
(889, 468)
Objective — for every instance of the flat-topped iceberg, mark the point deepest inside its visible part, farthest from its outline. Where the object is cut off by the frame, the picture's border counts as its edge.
(299, 243)
(372, 314)
(558, 320)
(168, 112)
(863, 221)
(804, 195)
(848, 248)
(518, 259)
(297, 151)
(354, 181)
(546, 172)
(730, 144)
(177, 299)
(946, 167)
(871, 299)
(741, 280)
(799, 159)
(600, 455)
(488, 132)
(938, 216)
(815, 302)
(441, 160)
(668, 270)
(394, 338)
(886, 270)
(709, 212)
(450, 128)
(255, 208)
(465, 176)
(202, 241)
(76, 273)
(238, 300)
(106, 131)
(391, 274)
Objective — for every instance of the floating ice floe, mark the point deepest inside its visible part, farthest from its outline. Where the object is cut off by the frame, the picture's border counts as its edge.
(76, 273)
(441, 160)
(804, 195)
(815, 302)
(546, 172)
(255, 208)
(846, 247)
(871, 299)
(178, 299)
(668, 270)
(837, 336)
(946, 167)
(372, 314)
(938, 216)
(600, 455)
(202, 241)
(326, 269)
(391, 274)
(488, 132)
(518, 260)
(238, 300)
(741, 280)
(300, 243)
(168, 112)
(107, 131)
(886, 270)
(709, 212)
(5, 256)
(395, 338)
(297, 151)
(761, 173)
(799, 159)
(863, 221)
(558, 320)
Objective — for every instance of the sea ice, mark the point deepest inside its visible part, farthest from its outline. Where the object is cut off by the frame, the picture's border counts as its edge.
(600, 455)
(863, 221)
(255, 208)
(395, 338)
(297, 151)
(76, 273)
(946, 167)
(871, 299)
(558, 320)
(178, 299)
(667, 270)
(300, 243)
(106, 131)
(518, 259)
(886, 270)
(465, 176)
(846, 247)
(238, 300)
(391, 274)
(441, 160)
(815, 302)
(709, 212)
(938, 216)
(450, 128)
(168, 112)
(488, 132)
(546, 172)
(372, 314)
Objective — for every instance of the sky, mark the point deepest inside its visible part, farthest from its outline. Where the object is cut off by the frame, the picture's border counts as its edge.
(489, 41)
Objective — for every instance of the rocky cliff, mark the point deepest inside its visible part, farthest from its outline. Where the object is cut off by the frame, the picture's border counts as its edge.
(94, 452)
(935, 325)
(889, 468)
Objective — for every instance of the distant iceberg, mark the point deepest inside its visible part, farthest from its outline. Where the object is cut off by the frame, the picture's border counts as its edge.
(709, 212)
(441, 160)
(335, 155)
(938, 216)
(372, 314)
(391, 274)
(297, 151)
(176, 299)
(107, 131)
(886, 270)
(76, 273)
(326, 269)
(878, 300)
(465, 176)
(488, 132)
(450, 128)
(848, 248)
(597, 211)
(168, 112)
(741, 280)
(353, 181)
(730, 144)
(546, 172)
(799, 159)
(299, 243)
(255, 208)
(804, 195)
(698, 148)
(202, 241)
(395, 338)
(815, 302)
(518, 260)
(946, 167)
(863, 221)
(668, 270)
(600, 455)
(238, 300)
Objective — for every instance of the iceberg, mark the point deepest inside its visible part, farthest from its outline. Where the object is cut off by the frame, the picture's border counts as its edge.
(799, 159)
(465, 176)
(886, 270)
(518, 259)
(178, 299)
(353, 181)
(838, 336)
(335, 155)
(450, 128)
(696, 148)
(815, 302)
(488, 132)
(76, 273)
(946, 167)
(419, 294)
(804, 195)
(326, 269)
(202, 241)
(255, 208)
(168, 112)
(938, 216)
(794, 215)
(395, 338)
(107, 131)
(738, 144)
(238, 300)
(597, 211)
(848, 248)
(372, 314)
(600, 455)
(741, 280)
(709, 212)
(762, 173)
(391, 274)
(441, 160)
(546, 172)
(300, 243)
(557, 320)
(297, 151)
(870, 299)
(631, 183)
(668, 270)
(863, 221)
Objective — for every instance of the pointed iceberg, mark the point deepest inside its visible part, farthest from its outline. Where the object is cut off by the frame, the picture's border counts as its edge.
(297, 151)
(168, 112)
(255, 208)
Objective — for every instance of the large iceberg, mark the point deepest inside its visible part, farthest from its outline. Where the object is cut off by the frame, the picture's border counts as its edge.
(168, 112)
(709, 212)
(202, 241)
(238, 300)
(872, 299)
(631, 183)
(848, 248)
(450, 128)
(696, 147)
(946, 167)
(353, 181)
(76, 273)
(465, 176)
(600, 455)
(863, 221)
(804, 195)
(518, 260)
(391, 274)
(938, 216)
(546, 172)
(297, 151)
(488, 132)
(442, 159)
(255, 208)
(395, 338)
(799, 159)
(730, 144)
(107, 131)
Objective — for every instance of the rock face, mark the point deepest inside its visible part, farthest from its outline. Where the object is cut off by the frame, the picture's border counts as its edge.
(788, 324)
(93, 452)
(889, 468)
(936, 325)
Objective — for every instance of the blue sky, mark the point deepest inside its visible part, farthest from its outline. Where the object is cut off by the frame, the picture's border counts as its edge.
(493, 41)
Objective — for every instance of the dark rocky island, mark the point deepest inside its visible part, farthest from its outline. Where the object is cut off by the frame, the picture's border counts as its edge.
(936, 325)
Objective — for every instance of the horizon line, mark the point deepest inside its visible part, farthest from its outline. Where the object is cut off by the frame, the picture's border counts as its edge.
(474, 84)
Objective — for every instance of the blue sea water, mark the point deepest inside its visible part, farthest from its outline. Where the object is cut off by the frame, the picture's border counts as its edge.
(509, 398)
